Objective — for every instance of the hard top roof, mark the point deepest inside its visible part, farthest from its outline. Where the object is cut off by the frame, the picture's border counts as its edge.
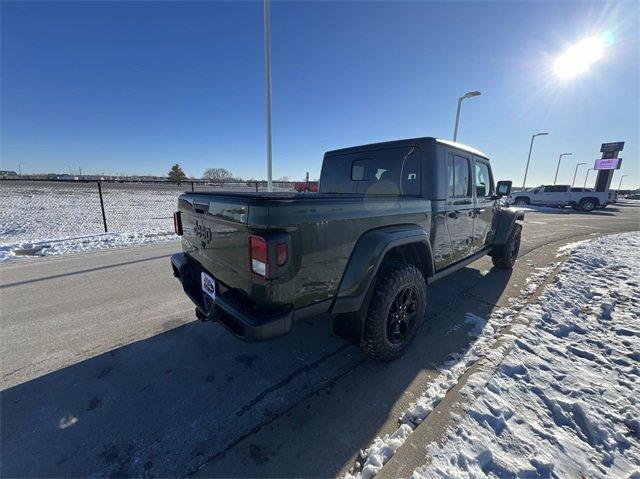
(408, 141)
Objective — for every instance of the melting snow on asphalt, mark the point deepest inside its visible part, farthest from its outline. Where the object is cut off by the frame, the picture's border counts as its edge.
(564, 401)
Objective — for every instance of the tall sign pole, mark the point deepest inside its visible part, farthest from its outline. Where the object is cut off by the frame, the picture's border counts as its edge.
(608, 164)
(267, 91)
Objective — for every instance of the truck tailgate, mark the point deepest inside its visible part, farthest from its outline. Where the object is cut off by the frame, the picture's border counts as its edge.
(215, 234)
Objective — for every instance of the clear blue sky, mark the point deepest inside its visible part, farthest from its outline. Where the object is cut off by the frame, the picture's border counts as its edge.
(134, 87)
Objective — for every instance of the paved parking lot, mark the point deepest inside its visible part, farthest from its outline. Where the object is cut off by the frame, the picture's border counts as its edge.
(106, 373)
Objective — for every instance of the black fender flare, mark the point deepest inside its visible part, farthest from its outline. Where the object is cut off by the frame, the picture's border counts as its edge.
(351, 303)
(505, 219)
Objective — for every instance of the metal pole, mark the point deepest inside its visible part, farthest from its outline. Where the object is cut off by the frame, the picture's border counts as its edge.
(575, 173)
(526, 169)
(104, 217)
(620, 184)
(455, 129)
(587, 177)
(555, 179)
(267, 87)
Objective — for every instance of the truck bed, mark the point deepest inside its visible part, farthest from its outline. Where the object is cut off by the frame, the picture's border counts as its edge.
(321, 228)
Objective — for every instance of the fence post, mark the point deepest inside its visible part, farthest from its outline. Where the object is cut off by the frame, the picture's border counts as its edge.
(192, 186)
(104, 217)
(256, 186)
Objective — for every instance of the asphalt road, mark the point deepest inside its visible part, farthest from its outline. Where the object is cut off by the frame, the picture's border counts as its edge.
(104, 371)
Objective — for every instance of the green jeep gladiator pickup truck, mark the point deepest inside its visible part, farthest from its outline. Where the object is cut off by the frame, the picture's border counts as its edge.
(389, 219)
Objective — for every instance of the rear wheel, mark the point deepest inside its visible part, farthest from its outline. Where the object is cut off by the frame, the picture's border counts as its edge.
(505, 256)
(396, 311)
(587, 204)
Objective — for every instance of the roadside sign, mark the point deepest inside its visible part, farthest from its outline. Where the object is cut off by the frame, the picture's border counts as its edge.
(608, 164)
(615, 146)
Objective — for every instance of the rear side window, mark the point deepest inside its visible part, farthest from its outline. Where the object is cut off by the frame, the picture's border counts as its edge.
(556, 189)
(458, 177)
(394, 171)
(484, 184)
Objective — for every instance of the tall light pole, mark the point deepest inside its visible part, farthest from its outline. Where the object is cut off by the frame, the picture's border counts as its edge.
(20, 168)
(587, 176)
(558, 167)
(620, 183)
(469, 94)
(526, 170)
(576, 172)
(267, 90)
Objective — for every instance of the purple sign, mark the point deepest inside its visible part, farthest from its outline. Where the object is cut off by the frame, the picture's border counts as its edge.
(607, 164)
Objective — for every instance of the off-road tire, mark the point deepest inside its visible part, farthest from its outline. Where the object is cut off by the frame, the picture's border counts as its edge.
(522, 201)
(587, 205)
(393, 278)
(505, 256)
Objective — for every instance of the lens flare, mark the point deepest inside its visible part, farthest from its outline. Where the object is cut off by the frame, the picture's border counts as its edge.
(578, 58)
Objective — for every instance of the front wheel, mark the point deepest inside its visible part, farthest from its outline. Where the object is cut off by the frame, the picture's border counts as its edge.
(396, 311)
(522, 201)
(505, 256)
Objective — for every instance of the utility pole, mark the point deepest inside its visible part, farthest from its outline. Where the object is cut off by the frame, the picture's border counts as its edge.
(267, 90)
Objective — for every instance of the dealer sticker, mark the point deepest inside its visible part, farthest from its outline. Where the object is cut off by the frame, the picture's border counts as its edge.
(208, 285)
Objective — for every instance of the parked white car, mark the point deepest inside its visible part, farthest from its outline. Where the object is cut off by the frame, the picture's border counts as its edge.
(560, 195)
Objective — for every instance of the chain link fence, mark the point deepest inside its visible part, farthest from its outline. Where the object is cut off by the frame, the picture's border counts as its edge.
(33, 211)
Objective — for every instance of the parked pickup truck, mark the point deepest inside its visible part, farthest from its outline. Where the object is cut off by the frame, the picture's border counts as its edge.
(560, 195)
(389, 219)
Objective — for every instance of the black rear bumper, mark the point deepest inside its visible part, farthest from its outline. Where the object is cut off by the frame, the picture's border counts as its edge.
(237, 314)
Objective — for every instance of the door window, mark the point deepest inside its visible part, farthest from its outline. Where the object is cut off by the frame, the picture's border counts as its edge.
(458, 177)
(484, 185)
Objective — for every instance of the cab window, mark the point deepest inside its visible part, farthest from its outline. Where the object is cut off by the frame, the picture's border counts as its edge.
(458, 177)
(484, 183)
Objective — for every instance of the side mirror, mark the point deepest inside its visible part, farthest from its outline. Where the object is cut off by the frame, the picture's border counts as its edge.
(503, 188)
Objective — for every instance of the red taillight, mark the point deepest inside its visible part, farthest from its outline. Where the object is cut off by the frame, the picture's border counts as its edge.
(258, 257)
(177, 223)
(281, 253)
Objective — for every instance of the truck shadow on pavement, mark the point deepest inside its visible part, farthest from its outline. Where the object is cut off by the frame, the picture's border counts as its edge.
(165, 405)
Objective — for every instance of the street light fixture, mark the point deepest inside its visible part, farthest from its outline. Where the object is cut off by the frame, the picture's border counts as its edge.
(469, 94)
(526, 170)
(620, 184)
(587, 176)
(575, 173)
(558, 167)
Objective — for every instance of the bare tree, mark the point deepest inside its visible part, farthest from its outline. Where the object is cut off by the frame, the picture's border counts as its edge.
(217, 175)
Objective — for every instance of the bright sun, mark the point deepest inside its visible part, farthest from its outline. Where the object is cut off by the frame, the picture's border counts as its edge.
(579, 57)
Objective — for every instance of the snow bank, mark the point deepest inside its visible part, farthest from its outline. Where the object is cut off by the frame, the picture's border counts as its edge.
(81, 244)
(565, 402)
(372, 459)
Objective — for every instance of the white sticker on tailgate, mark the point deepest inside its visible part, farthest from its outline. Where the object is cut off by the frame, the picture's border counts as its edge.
(208, 285)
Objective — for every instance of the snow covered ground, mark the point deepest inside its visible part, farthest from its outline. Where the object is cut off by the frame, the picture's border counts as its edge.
(565, 401)
(49, 218)
(45, 218)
